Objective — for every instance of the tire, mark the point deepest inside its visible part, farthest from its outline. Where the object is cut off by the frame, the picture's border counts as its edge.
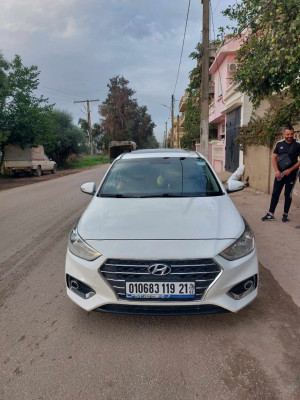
(38, 171)
(53, 171)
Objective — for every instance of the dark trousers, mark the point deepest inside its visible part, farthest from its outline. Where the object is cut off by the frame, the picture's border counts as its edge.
(289, 183)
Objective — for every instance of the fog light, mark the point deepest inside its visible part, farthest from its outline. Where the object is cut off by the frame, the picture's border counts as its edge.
(243, 288)
(80, 288)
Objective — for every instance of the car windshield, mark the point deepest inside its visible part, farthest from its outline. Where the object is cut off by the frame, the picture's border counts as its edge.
(160, 177)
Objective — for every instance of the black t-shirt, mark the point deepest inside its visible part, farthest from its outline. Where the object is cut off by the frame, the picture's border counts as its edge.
(293, 149)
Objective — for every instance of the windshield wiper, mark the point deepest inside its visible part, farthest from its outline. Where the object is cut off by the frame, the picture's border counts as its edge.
(162, 195)
(118, 195)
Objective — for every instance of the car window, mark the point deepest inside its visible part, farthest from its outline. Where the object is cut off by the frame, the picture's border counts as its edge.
(160, 177)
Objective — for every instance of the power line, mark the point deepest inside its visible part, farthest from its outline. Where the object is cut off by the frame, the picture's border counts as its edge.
(212, 19)
(83, 112)
(216, 6)
(187, 17)
(58, 91)
(56, 96)
(50, 97)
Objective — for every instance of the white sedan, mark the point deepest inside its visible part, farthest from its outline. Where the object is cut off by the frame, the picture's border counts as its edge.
(161, 236)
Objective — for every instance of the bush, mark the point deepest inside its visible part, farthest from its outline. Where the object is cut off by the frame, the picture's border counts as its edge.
(73, 158)
(88, 161)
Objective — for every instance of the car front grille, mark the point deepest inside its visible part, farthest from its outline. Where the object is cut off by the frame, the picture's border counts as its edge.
(117, 272)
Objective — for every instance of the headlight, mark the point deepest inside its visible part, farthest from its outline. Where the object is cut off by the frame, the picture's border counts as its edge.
(80, 248)
(242, 247)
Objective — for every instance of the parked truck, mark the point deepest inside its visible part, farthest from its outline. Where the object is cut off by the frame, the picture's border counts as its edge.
(28, 159)
(117, 147)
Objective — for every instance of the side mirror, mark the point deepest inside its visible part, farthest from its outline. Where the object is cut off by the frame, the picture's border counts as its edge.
(89, 188)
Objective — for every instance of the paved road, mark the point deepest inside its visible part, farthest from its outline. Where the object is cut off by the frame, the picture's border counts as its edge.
(51, 349)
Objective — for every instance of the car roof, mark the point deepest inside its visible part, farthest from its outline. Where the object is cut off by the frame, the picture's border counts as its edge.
(161, 153)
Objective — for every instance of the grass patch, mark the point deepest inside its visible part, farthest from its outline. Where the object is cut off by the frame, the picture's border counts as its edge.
(89, 161)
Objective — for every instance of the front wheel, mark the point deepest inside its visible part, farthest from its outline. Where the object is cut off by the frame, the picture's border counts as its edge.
(53, 171)
(38, 171)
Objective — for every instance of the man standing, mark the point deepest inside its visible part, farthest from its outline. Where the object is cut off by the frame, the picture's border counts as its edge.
(284, 175)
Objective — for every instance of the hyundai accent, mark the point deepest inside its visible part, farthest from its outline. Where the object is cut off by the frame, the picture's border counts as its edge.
(161, 236)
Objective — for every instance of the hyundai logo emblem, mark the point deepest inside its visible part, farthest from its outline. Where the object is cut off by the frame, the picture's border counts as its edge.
(159, 269)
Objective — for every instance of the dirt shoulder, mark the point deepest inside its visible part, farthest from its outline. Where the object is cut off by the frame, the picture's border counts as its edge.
(10, 183)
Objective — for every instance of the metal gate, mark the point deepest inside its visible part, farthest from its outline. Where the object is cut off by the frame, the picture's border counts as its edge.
(233, 121)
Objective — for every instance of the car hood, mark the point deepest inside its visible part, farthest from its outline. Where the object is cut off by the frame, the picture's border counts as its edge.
(161, 219)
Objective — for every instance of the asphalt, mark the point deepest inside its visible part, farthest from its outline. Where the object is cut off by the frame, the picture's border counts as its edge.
(278, 243)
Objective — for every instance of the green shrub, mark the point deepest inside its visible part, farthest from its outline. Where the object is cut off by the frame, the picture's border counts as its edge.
(88, 161)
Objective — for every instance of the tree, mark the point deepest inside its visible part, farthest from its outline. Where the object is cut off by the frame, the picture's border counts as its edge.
(26, 114)
(142, 129)
(98, 137)
(123, 118)
(187, 141)
(193, 112)
(118, 110)
(152, 142)
(98, 134)
(66, 139)
(4, 65)
(24, 117)
(4, 133)
(268, 63)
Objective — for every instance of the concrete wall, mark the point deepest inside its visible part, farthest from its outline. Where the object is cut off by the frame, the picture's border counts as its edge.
(216, 154)
(257, 162)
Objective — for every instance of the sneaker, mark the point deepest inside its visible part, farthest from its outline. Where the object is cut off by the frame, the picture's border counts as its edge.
(284, 218)
(268, 217)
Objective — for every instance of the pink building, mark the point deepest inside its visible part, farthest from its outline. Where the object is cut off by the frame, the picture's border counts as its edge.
(229, 109)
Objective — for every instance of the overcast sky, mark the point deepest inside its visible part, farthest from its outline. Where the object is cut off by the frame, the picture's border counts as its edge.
(78, 45)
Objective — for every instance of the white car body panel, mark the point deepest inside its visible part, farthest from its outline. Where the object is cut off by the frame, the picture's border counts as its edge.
(161, 218)
(160, 249)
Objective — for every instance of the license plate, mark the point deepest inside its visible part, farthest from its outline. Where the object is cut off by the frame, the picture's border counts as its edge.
(160, 290)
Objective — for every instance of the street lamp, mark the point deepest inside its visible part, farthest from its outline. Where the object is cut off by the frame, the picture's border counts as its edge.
(172, 120)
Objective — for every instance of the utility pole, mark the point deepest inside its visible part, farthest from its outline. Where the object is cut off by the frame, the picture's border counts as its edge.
(172, 116)
(89, 122)
(172, 121)
(205, 80)
(178, 144)
(166, 141)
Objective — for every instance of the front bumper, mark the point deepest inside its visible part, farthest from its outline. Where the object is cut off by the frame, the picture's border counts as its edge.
(215, 299)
